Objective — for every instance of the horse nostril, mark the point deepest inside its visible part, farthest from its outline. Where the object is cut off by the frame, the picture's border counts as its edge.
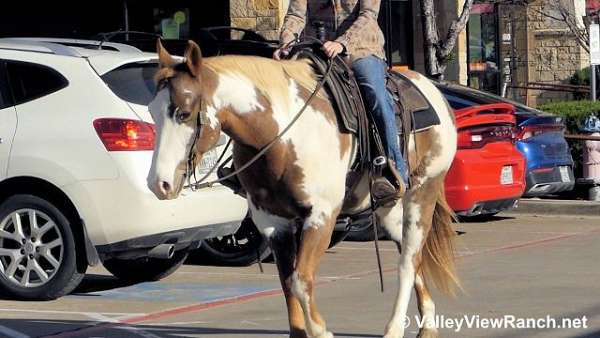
(165, 186)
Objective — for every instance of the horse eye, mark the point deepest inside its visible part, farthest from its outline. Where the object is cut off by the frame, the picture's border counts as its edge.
(183, 116)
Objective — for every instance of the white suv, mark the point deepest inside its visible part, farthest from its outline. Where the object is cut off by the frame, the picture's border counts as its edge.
(76, 144)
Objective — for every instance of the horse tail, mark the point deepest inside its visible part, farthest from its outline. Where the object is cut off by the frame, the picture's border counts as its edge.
(438, 253)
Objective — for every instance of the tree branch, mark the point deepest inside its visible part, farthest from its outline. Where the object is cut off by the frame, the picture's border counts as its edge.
(457, 26)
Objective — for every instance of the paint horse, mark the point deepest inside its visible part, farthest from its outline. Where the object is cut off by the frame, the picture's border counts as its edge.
(298, 185)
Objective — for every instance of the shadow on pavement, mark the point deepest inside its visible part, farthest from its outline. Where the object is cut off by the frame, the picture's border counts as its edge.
(96, 283)
(43, 327)
(483, 219)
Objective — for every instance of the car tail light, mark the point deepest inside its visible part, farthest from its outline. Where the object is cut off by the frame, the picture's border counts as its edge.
(125, 135)
(535, 130)
(477, 137)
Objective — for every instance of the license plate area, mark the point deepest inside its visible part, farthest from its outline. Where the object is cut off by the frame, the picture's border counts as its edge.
(506, 175)
(209, 159)
(564, 174)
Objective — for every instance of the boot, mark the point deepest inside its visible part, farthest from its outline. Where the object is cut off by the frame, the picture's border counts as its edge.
(388, 188)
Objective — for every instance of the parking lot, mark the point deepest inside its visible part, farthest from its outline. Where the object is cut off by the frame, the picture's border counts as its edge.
(522, 266)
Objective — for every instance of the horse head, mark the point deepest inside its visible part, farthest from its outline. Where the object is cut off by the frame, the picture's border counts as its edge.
(186, 126)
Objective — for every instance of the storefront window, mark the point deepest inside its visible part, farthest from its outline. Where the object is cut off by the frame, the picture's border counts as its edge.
(172, 23)
(399, 31)
(482, 29)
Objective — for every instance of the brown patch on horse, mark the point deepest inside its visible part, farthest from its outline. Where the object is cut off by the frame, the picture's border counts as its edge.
(275, 180)
(426, 147)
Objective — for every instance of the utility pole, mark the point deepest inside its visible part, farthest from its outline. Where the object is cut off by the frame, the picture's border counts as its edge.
(594, 56)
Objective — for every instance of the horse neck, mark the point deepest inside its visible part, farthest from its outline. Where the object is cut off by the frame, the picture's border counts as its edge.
(241, 111)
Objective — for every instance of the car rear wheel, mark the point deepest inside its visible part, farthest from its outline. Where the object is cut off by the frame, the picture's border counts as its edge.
(37, 250)
(242, 248)
(145, 269)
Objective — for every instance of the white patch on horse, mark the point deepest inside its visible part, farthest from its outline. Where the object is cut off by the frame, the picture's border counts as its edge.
(237, 92)
(323, 173)
(391, 220)
(267, 223)
(427, 307)
(411, 244)
(446, 130)
(176, 137)
(211, 114)
(300, 290)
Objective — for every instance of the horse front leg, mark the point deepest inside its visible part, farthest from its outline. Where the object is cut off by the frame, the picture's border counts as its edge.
(316, 236)
(283, 245)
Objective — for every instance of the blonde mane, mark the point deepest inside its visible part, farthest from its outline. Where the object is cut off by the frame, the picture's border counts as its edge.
(270, 77)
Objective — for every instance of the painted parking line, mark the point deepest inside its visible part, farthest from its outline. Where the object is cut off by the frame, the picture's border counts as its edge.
(269, 293)
(179, 292)
(131, 329)
(117, 314)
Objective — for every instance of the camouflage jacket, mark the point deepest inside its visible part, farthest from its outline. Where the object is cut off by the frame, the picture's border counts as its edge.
(353, 23)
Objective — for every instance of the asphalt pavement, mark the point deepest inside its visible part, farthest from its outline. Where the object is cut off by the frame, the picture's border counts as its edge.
(525, 268)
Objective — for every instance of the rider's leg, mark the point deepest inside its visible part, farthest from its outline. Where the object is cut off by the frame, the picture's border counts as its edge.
(371, 75)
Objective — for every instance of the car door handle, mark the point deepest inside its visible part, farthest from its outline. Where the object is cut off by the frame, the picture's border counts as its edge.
(1, 140)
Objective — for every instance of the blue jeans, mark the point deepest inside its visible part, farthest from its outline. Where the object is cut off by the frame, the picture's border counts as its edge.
(371, 73)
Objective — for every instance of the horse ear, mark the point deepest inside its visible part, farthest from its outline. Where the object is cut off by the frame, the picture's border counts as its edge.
(193, 58)
(164, 58)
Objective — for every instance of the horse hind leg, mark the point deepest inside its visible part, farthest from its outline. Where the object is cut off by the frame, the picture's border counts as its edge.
(408, 226)
(426, 308)
(316, 236)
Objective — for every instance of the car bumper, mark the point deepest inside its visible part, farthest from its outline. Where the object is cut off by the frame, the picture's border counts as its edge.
(473, 184)
(125, 211)
(548, 182)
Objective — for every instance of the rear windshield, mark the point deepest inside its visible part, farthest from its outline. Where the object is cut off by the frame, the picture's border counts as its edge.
(133, 82)
(462, 97)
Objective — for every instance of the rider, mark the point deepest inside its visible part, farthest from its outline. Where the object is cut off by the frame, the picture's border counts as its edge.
(351, 27)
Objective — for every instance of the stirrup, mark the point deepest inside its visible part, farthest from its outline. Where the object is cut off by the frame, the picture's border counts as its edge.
(387, 186)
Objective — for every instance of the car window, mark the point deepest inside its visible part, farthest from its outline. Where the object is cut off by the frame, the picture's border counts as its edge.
(133, 82)
(30, 81)
(458, 103)
(463, 97)
(5, 96)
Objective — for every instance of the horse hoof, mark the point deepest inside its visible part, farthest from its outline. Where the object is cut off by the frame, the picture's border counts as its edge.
(393, 332)
(296, 333)
(325, 334)
(428, 333)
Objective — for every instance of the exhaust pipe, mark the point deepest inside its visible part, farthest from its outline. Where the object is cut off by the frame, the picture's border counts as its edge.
(162, 251)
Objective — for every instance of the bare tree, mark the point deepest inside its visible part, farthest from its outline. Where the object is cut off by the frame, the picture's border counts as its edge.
(438, 51)
(572, 17)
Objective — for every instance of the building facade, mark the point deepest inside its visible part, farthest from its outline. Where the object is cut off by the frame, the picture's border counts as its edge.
(505, 48)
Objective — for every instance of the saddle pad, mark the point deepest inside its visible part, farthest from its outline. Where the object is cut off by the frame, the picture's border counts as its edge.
(412, 107)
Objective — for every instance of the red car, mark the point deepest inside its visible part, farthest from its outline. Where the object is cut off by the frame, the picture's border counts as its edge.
(488, 172)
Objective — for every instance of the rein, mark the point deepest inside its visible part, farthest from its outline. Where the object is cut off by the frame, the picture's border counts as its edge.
(200, 184)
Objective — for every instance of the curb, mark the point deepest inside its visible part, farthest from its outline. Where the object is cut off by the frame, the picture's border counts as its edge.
(556, 207)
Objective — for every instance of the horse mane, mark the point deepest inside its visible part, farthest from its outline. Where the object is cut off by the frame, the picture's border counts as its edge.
(270, 77)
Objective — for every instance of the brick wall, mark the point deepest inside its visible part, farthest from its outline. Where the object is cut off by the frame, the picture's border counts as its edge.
(546, 52)
(263, 16)
(555, 54)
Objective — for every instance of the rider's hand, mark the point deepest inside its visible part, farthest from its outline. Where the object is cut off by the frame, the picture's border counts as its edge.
(333, 48)
(281, 53)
